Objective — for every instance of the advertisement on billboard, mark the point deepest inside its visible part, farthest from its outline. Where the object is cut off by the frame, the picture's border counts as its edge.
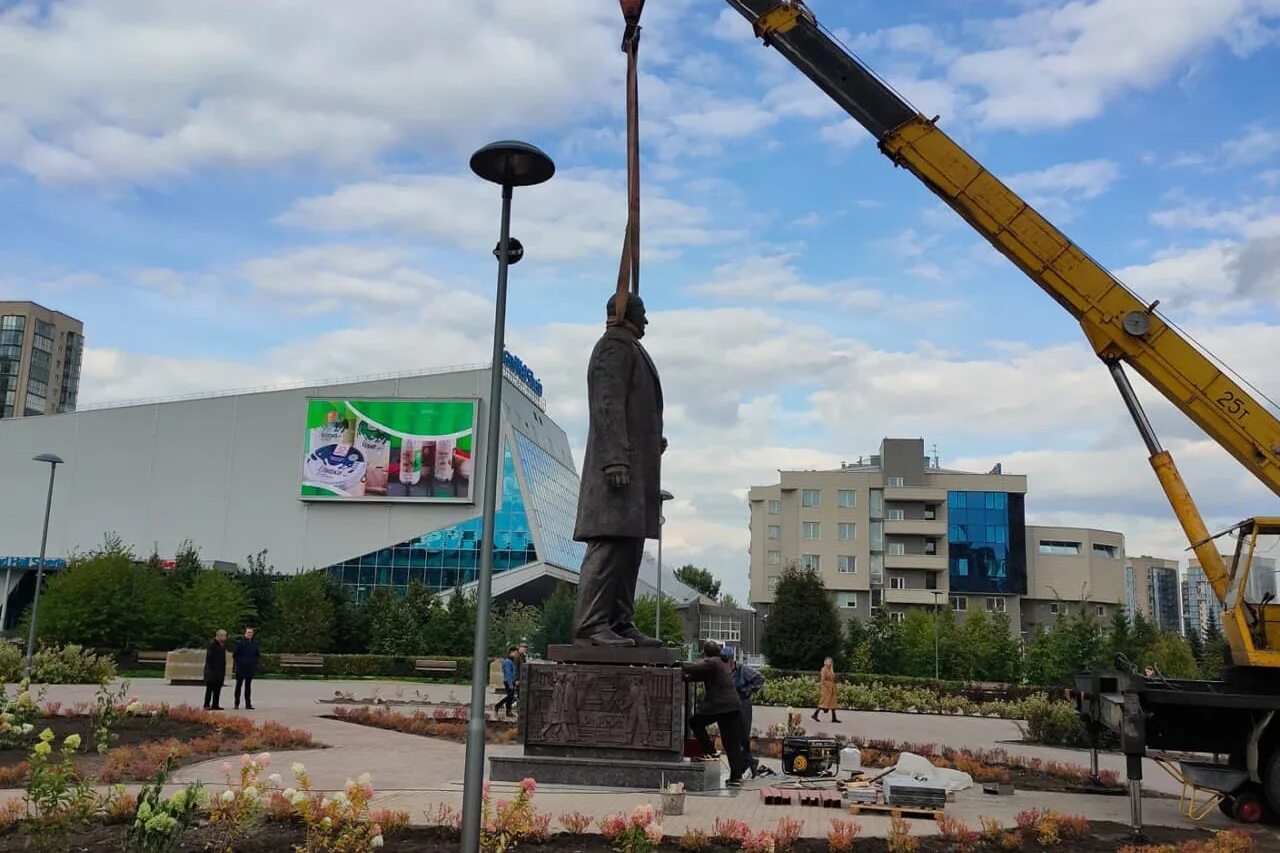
(388, 450)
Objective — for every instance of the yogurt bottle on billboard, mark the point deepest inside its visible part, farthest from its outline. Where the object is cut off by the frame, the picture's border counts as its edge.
(444, 460)
(376, 447)
(335, 431)
(410, 461)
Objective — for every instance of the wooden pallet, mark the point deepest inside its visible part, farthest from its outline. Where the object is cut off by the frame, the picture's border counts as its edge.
(926, 812)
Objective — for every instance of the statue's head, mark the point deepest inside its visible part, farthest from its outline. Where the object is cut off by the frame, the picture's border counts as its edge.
(711, 649)
(635, 318)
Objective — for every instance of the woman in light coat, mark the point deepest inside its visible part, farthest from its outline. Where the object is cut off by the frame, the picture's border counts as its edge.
(827, 691)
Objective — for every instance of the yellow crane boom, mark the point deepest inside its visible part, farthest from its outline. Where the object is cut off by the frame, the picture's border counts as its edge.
(1121, 328)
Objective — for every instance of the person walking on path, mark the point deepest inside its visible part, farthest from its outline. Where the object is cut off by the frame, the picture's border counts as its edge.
(509, 670)
(747, 681)
(245, 657)
(215, 671)
(827, 691)
(719, 706)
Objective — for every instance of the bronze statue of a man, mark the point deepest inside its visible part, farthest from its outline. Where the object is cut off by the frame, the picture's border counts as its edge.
(619, 502)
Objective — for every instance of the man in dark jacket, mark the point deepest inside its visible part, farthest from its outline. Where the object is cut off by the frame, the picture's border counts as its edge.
(245, 657)
(215, 671)
(719, 706)
(619, 499)
(747, 681)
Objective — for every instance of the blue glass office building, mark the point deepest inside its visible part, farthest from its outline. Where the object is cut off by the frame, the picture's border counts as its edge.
(986, 543)
(534, 522)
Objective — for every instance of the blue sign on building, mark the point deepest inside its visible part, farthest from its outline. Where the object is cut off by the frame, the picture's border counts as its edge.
(31, 563)
(522, 372)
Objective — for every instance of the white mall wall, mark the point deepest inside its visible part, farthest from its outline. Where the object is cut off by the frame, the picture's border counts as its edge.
(224, 472)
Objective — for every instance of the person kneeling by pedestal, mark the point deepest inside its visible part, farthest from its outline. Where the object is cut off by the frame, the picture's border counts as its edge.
(719, 706)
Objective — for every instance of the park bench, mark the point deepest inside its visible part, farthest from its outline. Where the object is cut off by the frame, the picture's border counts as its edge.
(152, 658)
(428, 665)
(303, 662)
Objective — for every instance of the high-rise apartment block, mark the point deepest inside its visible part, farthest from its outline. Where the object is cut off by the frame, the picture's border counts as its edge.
(40, 353)
(1152, 588)
(1201, 609)
(899, 531)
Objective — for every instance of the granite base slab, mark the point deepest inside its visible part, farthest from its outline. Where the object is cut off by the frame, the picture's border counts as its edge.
(649, 775)
(622, 655)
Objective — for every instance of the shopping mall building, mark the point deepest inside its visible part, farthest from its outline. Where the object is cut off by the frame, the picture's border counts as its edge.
(379, 482)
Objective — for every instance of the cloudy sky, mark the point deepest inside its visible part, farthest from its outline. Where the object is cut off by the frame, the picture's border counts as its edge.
(243, 194)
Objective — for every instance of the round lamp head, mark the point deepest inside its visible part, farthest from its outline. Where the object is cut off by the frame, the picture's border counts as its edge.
(47, 457)
(512, 164)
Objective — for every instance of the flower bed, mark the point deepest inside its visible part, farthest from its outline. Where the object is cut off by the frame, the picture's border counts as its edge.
(447, 723)
(138, 743)
(800, 692)
(254, 812)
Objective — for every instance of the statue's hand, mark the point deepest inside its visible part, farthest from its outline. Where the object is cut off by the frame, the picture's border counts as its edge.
(617, 475)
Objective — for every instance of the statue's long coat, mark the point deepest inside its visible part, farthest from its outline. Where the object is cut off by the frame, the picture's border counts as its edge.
(624, 399)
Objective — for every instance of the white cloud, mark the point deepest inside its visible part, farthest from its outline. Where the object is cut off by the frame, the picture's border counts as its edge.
(136, 90)
(1258, 145)
(578, 214)
(1086, 179)
(1053, 66)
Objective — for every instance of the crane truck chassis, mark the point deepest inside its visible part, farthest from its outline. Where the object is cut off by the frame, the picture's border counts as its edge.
(1232, 717)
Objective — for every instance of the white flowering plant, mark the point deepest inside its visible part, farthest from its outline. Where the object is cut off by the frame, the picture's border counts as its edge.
(158, 823)
(18, 715)
(242, 803)
(57, 797)
(341, 823)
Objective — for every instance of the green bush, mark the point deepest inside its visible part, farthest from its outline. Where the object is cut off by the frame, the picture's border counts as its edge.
(70, 664)
(366, 666)
(1053, 723)
(11, 659)
(877, 696)
(977, 691)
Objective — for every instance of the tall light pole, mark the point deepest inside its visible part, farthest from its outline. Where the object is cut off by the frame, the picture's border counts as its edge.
(54, 461)
(509, 164)
(936, 594)
(662, 520)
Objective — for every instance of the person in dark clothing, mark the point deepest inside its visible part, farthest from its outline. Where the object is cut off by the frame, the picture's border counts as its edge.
(245, 657)
(215, 671)
(747, 681)
(719, 706)
(509, 670)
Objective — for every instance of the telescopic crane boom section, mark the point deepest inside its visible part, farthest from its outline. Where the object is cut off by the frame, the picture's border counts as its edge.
(1120, 327)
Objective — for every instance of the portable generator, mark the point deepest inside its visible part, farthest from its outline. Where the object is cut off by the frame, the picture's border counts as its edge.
(809, 756)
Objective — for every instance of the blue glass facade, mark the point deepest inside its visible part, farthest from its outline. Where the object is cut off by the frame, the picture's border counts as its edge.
(445, 558)
(986, 543)
(553, 499)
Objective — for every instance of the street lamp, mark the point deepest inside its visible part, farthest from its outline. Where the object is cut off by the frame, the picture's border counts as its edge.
(936, 594)
(509, 164)
(657, 611)
(54, 461)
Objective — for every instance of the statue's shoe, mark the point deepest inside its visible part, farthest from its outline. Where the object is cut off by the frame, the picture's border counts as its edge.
(631, 632)
(604, 638)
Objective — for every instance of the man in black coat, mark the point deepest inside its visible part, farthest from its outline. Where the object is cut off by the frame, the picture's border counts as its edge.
(245, 657)
(215, 671)
(719, 706)
(619, 499)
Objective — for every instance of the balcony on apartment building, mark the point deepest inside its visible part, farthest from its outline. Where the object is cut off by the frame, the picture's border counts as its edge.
(915, 527)
(928, 562)
(915, 596)
(895, 492)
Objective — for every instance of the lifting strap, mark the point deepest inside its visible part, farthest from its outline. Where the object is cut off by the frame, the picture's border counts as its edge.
(629, 265)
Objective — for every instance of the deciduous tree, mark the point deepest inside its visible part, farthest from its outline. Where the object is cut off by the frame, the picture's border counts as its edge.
(700, 579)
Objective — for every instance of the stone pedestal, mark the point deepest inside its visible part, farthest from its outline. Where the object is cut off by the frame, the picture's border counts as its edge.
(608, 724)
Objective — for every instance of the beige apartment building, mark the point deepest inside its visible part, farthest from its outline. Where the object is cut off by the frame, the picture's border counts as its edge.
(899, 531)
(40, 353)
(1071, 568)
